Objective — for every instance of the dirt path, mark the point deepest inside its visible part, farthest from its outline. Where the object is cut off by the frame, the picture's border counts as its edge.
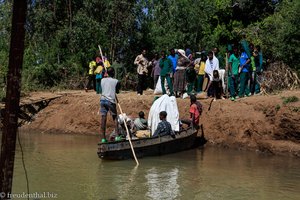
(261, 123)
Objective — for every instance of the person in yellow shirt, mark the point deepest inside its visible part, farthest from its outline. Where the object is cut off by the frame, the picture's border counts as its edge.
(91, 76)
(99, 75)
(201, 73)
(106, 62)
(106, 65)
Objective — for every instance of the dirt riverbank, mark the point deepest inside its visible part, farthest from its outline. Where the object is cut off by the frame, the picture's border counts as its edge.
(258, 123)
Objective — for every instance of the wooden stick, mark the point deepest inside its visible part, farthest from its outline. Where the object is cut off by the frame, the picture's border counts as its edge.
(105, 75)
(129, 138)
(226, 74)
(101, 55)
(210, 104)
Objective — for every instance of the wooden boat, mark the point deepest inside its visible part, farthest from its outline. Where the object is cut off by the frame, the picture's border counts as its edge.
(183, 140)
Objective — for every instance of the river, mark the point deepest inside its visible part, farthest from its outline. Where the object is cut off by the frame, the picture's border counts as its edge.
(67, 167)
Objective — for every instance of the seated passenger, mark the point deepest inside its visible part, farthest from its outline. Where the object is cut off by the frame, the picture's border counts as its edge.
(122, 119)
(195, 112)
(164, 127)
(141, 123)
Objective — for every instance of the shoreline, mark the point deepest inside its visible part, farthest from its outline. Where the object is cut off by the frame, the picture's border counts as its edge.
(257, 123)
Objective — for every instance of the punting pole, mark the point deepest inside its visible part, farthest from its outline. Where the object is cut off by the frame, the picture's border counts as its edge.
(129, 138)
(101, 54)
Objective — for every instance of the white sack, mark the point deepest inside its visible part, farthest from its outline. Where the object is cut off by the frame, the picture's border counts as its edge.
(164, 103)
(158, 89)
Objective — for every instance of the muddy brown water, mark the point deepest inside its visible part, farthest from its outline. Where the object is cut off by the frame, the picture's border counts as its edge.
(67, 167)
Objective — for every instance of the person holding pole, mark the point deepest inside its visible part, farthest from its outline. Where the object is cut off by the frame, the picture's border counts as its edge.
(99, 75)
(110, 86)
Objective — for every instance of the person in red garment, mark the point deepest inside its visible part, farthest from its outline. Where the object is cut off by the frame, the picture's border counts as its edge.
(195, 113)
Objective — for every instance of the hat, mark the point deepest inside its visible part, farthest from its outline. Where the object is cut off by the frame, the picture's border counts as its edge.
(181, 51)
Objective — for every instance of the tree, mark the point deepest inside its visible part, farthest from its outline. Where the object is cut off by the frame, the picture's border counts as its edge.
(62, 36)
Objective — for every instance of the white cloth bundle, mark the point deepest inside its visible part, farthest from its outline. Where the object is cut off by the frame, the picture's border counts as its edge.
(164, 103)
(158, 88)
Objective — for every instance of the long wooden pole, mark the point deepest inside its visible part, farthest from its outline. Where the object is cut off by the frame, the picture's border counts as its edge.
(10, 121)
(100, 50)
(226, 74)
(129, 137)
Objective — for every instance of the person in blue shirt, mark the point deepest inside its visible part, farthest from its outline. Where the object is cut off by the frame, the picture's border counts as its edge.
(174, 58)
(244, 73)
(164, 127)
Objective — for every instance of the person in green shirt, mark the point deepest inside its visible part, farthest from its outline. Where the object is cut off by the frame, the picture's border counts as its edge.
(166, 69)
(190, 76)
(234, 63)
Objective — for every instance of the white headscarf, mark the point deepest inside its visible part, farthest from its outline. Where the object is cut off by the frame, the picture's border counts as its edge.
(182, 52)
(210, 68)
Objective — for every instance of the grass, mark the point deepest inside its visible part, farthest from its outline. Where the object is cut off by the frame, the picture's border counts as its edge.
(277, 107)
(295, 109)
(289, 99)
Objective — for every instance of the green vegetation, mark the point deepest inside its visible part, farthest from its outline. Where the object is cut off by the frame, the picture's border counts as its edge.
(295, 109)
(289, 99)
(62, 36)
(277, 107)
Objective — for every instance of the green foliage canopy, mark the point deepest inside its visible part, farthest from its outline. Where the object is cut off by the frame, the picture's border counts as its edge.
(62, 36)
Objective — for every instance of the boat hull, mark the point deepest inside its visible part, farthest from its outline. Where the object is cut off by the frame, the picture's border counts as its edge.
(149, 146)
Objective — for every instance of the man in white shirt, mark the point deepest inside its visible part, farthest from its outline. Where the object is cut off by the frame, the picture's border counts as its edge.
(212, 63)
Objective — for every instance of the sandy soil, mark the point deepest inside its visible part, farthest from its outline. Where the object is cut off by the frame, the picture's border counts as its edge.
(258, 123)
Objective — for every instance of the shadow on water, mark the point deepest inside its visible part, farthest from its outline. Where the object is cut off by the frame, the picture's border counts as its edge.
(200, 140)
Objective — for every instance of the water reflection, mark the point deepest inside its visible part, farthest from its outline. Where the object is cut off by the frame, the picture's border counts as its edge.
(162, 184)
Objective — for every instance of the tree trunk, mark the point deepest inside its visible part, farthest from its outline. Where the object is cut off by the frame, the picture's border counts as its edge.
(10, 121)
(54, 8)
(70, 13)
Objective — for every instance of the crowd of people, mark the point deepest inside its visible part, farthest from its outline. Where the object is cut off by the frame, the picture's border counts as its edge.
(192, 73)
(97, 70)
(184, 72)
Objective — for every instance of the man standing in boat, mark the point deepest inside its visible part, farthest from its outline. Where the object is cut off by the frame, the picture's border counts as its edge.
(110, 86)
